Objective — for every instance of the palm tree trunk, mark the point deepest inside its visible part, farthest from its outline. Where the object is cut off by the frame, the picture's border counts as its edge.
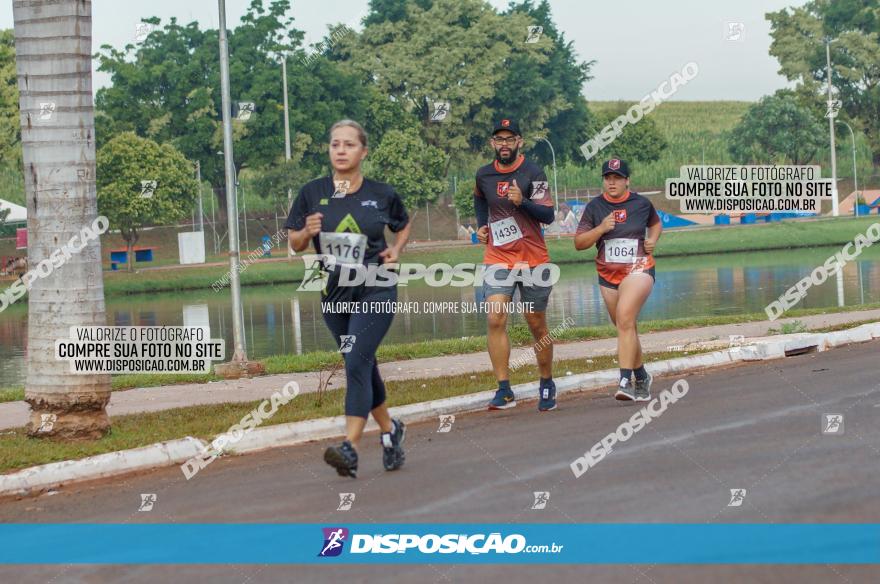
(53, 41)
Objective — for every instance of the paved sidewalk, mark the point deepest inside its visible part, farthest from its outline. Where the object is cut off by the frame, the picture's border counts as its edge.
(151, 399)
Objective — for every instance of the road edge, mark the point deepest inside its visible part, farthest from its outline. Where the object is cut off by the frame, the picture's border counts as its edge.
(30, 481)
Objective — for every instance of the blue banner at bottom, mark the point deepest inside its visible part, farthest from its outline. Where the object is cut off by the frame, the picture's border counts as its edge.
(415, 543)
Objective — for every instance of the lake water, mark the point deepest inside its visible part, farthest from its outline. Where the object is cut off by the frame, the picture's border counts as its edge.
(280, 320)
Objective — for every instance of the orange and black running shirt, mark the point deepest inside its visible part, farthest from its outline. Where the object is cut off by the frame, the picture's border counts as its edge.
(621, 251)
(514, 235)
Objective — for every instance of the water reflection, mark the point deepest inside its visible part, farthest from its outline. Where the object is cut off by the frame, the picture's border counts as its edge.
(278, 320)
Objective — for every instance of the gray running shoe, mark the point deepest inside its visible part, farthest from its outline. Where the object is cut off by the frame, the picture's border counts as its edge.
(643, 389)
(624, 391)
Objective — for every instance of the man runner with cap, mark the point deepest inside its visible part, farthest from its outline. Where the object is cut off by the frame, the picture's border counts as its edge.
(616, 223)
(512, 200)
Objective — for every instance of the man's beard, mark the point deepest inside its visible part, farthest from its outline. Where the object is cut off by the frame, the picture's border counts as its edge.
(514, 152)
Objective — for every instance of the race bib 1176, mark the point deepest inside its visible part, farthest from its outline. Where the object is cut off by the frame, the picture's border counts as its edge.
(347, 248)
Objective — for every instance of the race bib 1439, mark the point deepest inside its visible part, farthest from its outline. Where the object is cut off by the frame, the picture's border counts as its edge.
(505, 231)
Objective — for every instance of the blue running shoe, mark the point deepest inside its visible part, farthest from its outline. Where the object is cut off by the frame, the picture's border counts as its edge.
(548, 397)
(503, 399)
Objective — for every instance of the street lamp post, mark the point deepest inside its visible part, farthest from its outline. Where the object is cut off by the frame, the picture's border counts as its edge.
(286, 112)
(290, 252)
(855, 170)
(201, 207)
(835, 205)
(240, 350)
(555, 185)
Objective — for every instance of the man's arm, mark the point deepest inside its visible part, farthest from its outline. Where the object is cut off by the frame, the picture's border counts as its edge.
(539, 203)
(481, 207)
(542, 213)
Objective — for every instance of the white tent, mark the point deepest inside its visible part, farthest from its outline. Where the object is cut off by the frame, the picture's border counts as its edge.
(18, 214)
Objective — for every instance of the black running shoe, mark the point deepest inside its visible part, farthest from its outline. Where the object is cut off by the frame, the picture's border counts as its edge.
(392, 446)
(343, 458)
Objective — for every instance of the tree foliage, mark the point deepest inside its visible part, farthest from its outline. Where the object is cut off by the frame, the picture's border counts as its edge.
(452, 51)
(414, 168)
(640, 142)
(10, 128)
(168, 89)
(124, 163)
(547, 93)
(777, 130)
(799, 36)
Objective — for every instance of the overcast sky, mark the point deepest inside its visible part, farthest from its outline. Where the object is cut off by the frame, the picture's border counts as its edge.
(636, 43)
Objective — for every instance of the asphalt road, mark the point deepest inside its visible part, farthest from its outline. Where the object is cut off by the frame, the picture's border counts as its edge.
(755, 427)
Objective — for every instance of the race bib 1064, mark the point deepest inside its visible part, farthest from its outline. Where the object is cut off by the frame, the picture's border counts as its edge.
(505, 231)
(347, 248)
(621, 251)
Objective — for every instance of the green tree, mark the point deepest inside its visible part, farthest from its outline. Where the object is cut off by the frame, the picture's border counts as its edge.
(454, 51)
(640, 142)
(391, 10)
(548, 92)
(799, 44)
(776, 130)
(167, 88)
(281, 182)
(10, 132)
(124, 163)
(463, 199)
(413, 168)
(546, 75)
(4, 213)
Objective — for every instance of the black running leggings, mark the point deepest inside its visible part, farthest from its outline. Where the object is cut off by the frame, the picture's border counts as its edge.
(364, 390)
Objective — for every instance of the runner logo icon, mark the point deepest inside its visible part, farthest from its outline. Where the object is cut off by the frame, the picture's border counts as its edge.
(334, 541)
(317, 272)
(539, 189)
(737, 496)
(346, 343)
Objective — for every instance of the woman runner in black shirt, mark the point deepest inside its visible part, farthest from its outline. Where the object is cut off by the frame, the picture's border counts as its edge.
(345, 216)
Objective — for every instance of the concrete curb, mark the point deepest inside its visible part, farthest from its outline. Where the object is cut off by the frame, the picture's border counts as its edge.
(55, 474)
(162, 454)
